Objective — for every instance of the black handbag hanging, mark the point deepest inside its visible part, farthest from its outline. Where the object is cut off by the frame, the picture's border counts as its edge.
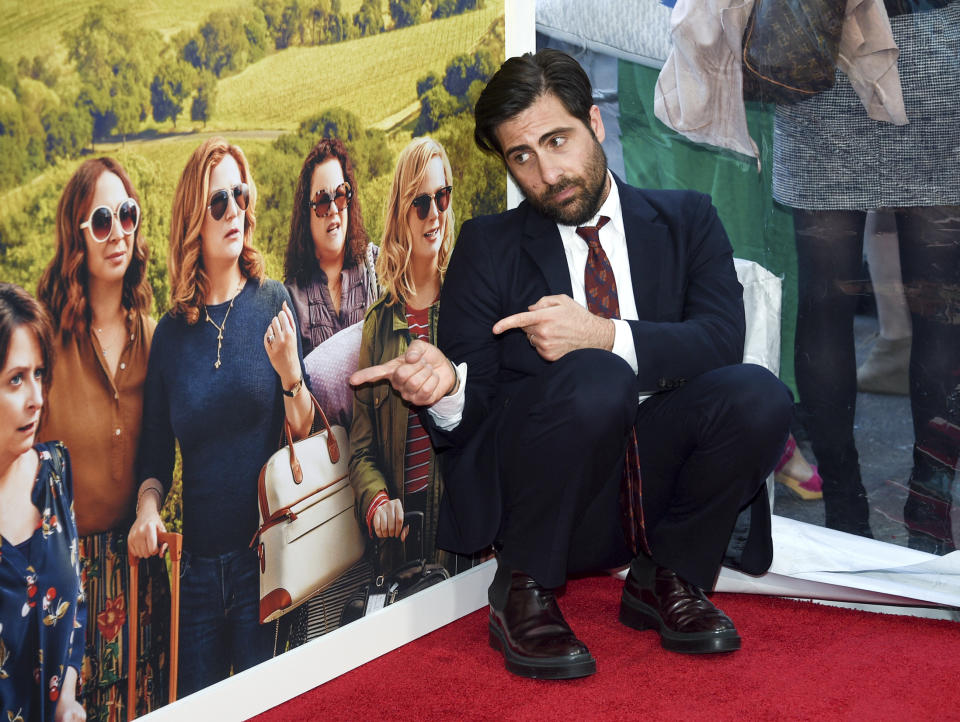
(402, 581)
(790, 49)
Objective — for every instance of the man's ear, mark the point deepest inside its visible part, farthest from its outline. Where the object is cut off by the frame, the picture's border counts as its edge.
(596, 123)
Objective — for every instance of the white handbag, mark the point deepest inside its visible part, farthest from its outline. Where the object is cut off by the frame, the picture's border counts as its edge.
(308, 533)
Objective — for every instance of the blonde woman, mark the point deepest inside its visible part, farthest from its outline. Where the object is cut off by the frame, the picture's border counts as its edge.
(392, 464)
(96, 291)
(224, 371)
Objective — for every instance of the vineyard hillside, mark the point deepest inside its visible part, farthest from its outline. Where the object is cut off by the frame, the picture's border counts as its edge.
(374, 77)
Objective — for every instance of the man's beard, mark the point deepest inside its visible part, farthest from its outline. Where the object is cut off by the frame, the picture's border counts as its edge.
(584, 205)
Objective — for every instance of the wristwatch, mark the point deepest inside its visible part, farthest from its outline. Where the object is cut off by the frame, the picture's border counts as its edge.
(295, 390)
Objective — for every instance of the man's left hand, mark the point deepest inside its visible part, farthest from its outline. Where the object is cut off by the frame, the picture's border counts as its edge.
(556, 325)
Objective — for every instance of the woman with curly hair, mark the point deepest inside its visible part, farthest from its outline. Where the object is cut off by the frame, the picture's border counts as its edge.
(97, 293)
(330, 264)
(392, 465)
(225, 369)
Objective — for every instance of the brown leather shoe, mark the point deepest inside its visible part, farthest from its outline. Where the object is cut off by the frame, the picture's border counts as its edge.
(657, 598)
(529, 629)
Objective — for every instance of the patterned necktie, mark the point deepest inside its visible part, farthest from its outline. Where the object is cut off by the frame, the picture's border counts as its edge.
(602, 300)
(598, 280)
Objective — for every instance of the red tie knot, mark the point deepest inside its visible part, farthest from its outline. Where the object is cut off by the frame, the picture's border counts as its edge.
(591, 234)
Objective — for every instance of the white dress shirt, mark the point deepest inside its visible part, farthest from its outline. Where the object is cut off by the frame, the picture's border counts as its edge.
(448, 411)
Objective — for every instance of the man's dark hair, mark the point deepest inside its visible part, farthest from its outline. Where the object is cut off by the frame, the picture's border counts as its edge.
(517, 85)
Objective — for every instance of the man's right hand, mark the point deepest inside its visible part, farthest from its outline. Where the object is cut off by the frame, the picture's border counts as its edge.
(422, 376)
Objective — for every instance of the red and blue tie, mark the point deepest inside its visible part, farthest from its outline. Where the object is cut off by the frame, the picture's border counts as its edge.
(602, 300)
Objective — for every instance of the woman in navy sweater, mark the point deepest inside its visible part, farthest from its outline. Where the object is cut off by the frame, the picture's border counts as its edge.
(225, 368)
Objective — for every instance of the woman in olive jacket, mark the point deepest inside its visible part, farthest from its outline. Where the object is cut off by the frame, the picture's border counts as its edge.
(392, 465)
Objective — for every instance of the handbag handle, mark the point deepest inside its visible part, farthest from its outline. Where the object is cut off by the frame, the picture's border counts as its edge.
(333, 449)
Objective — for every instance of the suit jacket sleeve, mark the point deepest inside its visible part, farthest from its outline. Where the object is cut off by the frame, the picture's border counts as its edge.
(699, 321)
(469, 307)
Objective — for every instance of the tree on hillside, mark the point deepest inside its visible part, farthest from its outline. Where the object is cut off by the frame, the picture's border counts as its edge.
(8, 75)
(435, 105)
(464, 69)
(226, 45)
(114, 57)
(430, 80)
(172, 85)
(463, 80)
(273, 15)
(255, 27)
(227, 42)
(204, 102)
(369, 18)
(294, 20)
(338, 28)
(405, 12)
(39, 69)
(68, 128)
(446, 8)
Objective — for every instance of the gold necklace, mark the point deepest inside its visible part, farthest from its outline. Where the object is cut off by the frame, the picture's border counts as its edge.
(98, 332)
(223, 324)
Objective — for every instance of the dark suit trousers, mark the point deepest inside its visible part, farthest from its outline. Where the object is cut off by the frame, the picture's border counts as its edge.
(705, 450)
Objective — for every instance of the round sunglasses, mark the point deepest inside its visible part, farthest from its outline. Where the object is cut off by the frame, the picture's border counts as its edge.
(220, 199)
(101, 220)
(322, 199)
(422, 202)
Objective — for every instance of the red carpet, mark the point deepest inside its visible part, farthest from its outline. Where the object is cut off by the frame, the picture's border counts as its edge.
(799, 661)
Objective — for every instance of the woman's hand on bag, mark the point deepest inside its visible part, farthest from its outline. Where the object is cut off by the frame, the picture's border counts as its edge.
(142, 539)
(280, 341)
(388, 520)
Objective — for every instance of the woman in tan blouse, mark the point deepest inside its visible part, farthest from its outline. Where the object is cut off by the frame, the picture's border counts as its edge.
(98, 296)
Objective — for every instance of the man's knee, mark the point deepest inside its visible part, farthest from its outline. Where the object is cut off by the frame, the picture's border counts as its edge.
(757, 401)
(601, 386)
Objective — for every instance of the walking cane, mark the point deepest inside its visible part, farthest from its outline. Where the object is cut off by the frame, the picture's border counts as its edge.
(174, 544)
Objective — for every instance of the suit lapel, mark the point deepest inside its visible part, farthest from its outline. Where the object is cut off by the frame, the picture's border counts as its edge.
(541, 240)
(648, 243)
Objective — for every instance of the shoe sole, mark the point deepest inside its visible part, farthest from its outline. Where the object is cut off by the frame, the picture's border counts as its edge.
(538, 668)
(796, 487)
(637, 615)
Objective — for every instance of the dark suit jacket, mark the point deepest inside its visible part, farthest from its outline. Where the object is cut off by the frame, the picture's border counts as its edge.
(689, 303)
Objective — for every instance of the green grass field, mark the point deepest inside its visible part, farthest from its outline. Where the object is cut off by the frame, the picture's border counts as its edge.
(35, 28)
(373, 77)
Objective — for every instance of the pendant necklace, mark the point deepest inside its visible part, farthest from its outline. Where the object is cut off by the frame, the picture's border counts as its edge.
(223, 324)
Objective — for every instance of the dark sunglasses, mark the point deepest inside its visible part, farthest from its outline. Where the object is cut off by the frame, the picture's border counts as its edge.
(220, 199)
(422, 203)
(101, 218)
(341, 199)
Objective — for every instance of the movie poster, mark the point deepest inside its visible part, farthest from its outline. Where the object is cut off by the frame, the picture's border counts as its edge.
(146, 84)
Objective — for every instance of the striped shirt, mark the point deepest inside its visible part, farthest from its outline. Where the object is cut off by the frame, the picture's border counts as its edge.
(416, 458)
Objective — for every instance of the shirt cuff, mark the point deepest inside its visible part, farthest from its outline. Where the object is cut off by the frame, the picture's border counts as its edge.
(448, 411)
(379, 499)
(623, 344)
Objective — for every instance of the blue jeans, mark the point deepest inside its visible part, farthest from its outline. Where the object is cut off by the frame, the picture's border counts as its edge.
(220, 631)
